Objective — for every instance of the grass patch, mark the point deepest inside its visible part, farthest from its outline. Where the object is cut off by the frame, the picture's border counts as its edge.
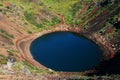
(31, 19)
(61, 7)
(34, 69)
(6, 34)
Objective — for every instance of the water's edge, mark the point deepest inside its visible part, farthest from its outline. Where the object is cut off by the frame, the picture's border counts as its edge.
(26, 54)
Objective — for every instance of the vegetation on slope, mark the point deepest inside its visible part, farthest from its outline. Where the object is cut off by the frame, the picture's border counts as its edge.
(29, 16)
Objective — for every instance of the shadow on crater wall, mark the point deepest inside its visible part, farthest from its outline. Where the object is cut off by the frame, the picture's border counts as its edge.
(111, 66)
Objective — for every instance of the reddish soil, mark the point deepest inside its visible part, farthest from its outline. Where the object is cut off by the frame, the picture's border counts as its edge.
(22, 39)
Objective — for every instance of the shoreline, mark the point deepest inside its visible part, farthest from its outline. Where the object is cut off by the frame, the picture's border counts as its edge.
(23, 45)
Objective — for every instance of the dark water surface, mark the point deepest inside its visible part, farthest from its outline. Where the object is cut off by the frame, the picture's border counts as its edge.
(66, 51)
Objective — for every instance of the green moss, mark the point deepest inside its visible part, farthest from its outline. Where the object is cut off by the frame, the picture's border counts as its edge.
(55, 20)
(6, 34)
(31, 19)
(2, 56)
(1, 4)
(30, 32)
(3, 61)
(17, 66)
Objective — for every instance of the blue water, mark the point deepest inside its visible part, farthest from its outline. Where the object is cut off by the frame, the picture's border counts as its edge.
(66, 51)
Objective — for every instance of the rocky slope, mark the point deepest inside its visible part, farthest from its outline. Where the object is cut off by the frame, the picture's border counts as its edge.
(20, 19)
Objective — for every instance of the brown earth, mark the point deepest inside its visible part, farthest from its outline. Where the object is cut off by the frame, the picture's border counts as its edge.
(22, 40)
(23, 46)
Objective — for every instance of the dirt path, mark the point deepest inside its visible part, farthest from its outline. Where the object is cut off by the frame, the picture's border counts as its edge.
(23, 45)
